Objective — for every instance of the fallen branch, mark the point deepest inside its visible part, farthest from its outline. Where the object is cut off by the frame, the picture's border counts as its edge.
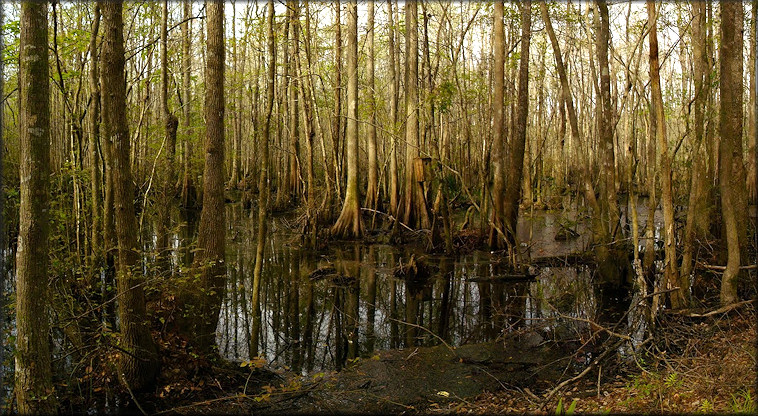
(390, 216)
(723, 309)
(526, 277)
(584, 372)
(723, 268)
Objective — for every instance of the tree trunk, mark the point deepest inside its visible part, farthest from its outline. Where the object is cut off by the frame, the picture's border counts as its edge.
(33, 378)
(311, 130)
(698, 206)
(752, 116)
(394, 131)
(731, 168)
(3, 304)
(293, 155)
(671, 273)
(372, 191)
(186, 106)
(609, 201)
(209, 259)
(416, 210)
(166, 170)
(516, 161)
(337, 118)
(138, 363)
(94, 147)
(349, 223)
(497, 238)
(587, 186)
(263, 186)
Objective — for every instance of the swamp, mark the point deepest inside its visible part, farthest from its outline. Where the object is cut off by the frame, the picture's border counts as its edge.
(446, 207)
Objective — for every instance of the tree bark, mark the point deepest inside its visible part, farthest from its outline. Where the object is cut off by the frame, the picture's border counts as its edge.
(394, 131)
(263, 183)
(33, 377)
(293, 155)
(372, 191)
(698, 206)
(94, 147)
(516, 161)
(731, 168)
(138, 363)
(186, 106)
(3, 304)
(671, 271)
(609, 201)
(416, 210)
(166, 170)
(752, 115)
(497, 238)
(211, 241)
(337, 117)
(349, 223)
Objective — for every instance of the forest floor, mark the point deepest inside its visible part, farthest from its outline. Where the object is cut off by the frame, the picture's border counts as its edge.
(705, 366)
(695, 365)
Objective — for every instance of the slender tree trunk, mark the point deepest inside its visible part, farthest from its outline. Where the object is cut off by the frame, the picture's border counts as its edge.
(33, 378)
(516, 161)
(309, 105)
(671, 270)
(3, 304)
(337, 118)
(166, 170)
(587, 186)
(211, 241)
(731, 168)
(698, 207)
(394, 131)
(416, 210)
(497, 238)
(752, 111)
(138, 364)
(349, 223)
(608, 190)
(186, 106)
(263, 186)
(94, 147)
(372, 191)
(293, 155)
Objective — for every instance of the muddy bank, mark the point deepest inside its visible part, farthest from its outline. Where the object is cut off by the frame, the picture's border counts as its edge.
(414, 379)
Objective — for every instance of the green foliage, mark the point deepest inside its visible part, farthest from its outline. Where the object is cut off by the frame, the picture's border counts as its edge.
(568, 411)
(444, 96)
(743, 403)
(672, 381)
(706, 406)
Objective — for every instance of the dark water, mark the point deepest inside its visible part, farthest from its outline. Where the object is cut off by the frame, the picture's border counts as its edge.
(360, 305)
(316, 324)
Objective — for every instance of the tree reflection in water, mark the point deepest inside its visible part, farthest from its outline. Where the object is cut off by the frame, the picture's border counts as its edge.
(359, 306)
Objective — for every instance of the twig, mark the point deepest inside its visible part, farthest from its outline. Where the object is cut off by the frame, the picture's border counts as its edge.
(584, 372)
(390, 216)
(188, 406)
(133, 398)
(452, 349)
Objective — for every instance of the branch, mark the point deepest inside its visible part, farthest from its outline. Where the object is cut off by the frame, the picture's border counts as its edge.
(718, 311)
